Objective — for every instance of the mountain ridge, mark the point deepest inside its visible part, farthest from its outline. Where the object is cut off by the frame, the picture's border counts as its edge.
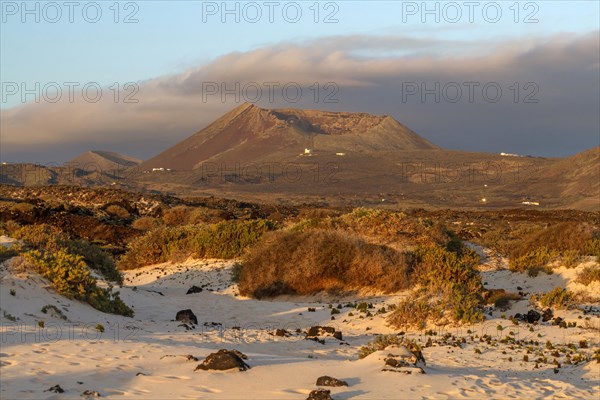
(248, 132)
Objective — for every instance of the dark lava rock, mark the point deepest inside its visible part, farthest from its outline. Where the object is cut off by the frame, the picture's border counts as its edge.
(533, 316)
(315, 339)
(547, 315)
(55, 389)
(319, 330)
(224, 360)
(329, 381)
(91, 393)
(282, 333)
(319, 394)
(520, 317)
(395, 363)
(186, 316)
(194, 289)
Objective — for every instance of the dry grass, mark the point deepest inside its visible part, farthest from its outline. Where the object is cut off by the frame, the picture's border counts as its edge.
(589, 275)
(308, 262)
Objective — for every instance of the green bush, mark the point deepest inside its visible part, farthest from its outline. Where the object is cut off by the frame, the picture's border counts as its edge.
(414, 312)
(558, 297)
(51, 238)
(450, 283)
(97, 259)
(534, 261)
(592, 248)
(223, 240)
(71, 278)
(228, 239)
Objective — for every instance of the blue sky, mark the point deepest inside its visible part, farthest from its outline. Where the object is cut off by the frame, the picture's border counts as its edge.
(368, 48)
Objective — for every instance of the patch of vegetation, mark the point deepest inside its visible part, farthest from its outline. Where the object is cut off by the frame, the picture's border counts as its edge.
(415, 311)
(379, 343)
(292, 262)
(9, 316)
(71, 278)
(6, 253)
(50, 238)
(558, 297)
(588, 275)
(146, 223)
(451, 285)
(118, 211)
(534, 262)
(56, 312)
(223, 240)
(502, 299)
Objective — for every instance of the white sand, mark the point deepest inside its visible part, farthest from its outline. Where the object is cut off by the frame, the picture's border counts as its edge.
(76, 357)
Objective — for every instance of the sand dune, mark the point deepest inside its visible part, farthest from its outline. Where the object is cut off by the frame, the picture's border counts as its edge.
(144, 357)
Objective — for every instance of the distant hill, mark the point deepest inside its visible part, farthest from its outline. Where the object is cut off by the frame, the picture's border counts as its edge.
(103, 161)
(252, 134)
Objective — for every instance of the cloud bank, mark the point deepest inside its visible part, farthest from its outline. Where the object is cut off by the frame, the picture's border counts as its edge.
(537, 96)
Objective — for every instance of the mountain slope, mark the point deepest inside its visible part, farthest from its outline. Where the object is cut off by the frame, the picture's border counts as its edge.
(103, 161)
(252, 134)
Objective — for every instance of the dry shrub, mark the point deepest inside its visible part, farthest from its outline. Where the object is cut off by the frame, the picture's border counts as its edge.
(118, 211)
(23, 208)
(146, 223)
(414, 311)
(560, 237)
(558, 297)
(224, 240)
(384, 227)
(294, 262)
(588, 275)
(177, 216)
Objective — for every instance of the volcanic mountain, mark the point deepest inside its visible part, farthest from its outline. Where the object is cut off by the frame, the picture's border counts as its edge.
(249, 133)
(103, 161)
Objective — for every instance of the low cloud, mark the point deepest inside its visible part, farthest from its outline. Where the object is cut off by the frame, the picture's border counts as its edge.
(548, 104)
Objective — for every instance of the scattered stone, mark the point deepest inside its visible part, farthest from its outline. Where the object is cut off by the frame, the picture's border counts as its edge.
(55, 389)
(187, 317)
(224, 360)
(141, 373)
(186, 326)
(337, 335)
(194, 289)
(557, 321)
(547, 315)
(311, 309)
(213, 324)
(188, 357)
(404, 360)
(281, 332)
(91, 393)
(315, 339)
(319, 394)
(533, 316)
(330, 381)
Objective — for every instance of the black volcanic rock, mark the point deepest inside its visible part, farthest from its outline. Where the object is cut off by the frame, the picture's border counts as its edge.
(224, 360)
(330, 381)
(319, 394)
(186, 316)
(194, 289)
